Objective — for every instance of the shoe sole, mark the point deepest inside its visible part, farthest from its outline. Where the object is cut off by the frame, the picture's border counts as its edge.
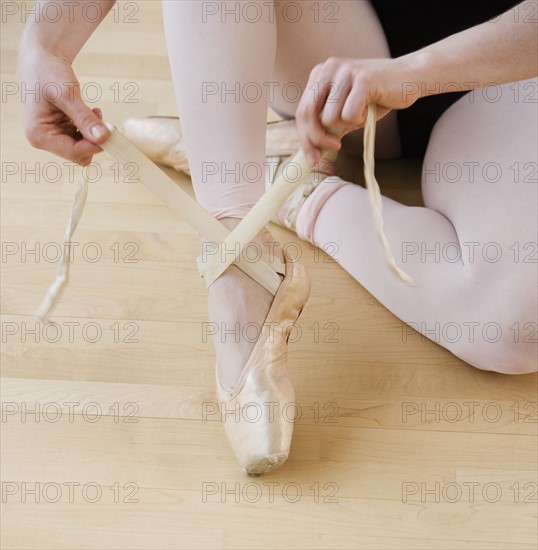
(266, 464)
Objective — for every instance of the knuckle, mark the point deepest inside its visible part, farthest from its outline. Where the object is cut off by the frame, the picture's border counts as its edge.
(300, 114)
(33, 138)
(299, 110)
(50, 94)
(329, 118)
(332, 62)
(317, 69)
(362, 79)
(316, 139)
(351, 117)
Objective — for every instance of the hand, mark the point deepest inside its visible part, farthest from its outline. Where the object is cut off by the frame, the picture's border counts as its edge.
(337, 96)
(56, 118)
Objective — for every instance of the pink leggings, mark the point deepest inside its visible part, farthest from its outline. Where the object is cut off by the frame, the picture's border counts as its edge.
(471, 250)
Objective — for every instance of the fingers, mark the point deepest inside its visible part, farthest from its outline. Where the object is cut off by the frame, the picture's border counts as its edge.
(331, 115)
(336, 101)
(355, 107)
(54, 132)
(48, 127)
(85, 131)
(312, 134)
(87, 121)
(80, 151)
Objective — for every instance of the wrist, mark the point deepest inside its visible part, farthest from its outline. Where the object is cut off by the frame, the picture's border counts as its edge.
(419, 70)
(407, 73)
(35, 40)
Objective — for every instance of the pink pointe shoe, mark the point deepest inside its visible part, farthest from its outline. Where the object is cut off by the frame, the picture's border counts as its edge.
(254, 412)
(161, 139)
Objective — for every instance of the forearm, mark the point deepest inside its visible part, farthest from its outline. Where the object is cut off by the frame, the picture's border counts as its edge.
(500, 51)
(65, 36)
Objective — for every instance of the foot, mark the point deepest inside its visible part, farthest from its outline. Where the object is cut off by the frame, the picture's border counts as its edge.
(238, 307)
(289, 212)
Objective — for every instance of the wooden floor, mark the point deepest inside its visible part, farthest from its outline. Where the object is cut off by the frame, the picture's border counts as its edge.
(400, 444)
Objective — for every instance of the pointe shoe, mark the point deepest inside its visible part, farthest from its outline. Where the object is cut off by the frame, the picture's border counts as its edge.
(265, 444)
(161, 139)
(288, 213)
(255, 412)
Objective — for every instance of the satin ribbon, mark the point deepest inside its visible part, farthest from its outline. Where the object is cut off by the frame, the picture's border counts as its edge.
(264, 272)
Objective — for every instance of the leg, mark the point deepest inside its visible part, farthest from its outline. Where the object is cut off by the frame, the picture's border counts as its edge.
(212, 62)
(214, 58)
(471, 250)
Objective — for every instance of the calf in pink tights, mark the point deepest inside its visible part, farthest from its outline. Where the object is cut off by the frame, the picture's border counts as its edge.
(469, 250)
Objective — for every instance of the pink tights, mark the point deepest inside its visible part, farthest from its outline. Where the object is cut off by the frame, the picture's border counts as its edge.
(471, 250)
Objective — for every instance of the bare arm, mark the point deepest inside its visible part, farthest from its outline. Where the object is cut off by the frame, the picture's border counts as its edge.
(502, 50)
(62, 124)
(65, 37)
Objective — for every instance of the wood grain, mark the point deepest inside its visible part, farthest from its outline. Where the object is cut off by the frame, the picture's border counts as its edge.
(392, 426)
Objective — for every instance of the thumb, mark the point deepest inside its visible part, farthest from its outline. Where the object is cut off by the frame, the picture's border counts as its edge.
(88, 122)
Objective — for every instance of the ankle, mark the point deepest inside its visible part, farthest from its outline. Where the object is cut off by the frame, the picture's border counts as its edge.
(263, 242)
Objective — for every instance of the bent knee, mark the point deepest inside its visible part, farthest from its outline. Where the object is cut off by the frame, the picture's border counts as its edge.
(505, 356)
